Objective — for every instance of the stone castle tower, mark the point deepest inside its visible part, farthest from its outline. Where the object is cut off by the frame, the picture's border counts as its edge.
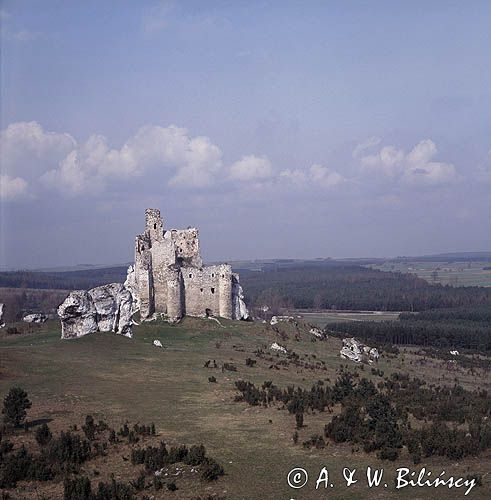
(169, 277)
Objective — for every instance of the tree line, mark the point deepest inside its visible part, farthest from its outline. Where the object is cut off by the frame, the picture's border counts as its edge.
(461, 329)
(344, 286)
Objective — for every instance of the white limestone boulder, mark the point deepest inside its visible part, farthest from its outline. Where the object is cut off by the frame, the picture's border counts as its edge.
(358, 352)
(317, 332)
(278, 348)
(106, 308)
(131, 285)
(157, 343)
(78, 315)
(35, 318)
(374, 354)
(113, 304)
(2, 307)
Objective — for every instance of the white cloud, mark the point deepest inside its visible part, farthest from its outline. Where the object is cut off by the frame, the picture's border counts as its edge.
(26, 149)
(414, 168)
(316, 175)
(324, 176)
(184, 161)
(251, 168)
(12, 188)
(194, 162)
(367, 144)
(389, 161)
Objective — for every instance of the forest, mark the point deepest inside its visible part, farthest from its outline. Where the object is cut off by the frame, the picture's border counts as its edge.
(338, 285)
(461, 328)
(63, 280)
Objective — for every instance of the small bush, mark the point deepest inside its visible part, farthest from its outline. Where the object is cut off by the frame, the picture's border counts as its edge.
(299, 420)
(196, 455)
(211, 470)
(43, 435)
(78, 488)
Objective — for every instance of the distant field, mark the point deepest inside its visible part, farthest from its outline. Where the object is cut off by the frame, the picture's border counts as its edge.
(116, 378)
(322, 318)
(468, 273)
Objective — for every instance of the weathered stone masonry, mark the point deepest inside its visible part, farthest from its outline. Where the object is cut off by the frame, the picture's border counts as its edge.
(169, 277)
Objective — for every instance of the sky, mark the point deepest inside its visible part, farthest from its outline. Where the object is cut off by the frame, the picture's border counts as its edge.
(280, 129)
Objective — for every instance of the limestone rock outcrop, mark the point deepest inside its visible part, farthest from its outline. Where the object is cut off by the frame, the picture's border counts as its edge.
(35, 318)
(317, 332)
(277, 347)
(107, 308)
(358, 352)
(239, 307)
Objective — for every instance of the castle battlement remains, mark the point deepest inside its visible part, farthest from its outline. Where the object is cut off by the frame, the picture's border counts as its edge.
(169, 277)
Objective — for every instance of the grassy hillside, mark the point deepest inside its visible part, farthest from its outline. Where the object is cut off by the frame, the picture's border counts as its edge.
(121, 379)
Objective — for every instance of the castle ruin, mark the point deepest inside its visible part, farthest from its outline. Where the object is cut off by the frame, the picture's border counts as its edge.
(169, 277)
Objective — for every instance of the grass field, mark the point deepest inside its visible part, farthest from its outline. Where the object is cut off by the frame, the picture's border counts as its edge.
(121, 379)
(468, 273)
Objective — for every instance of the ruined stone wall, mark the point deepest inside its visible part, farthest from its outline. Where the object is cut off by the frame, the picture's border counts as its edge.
(154, 224)
(174, 294)
(143, 275)
(163, 256)
(186, 242)
(201, 290)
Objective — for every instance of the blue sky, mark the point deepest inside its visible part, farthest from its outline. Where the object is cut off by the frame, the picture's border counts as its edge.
(280, 129)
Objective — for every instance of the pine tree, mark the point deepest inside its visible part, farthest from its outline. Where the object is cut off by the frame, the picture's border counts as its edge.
(15, 406)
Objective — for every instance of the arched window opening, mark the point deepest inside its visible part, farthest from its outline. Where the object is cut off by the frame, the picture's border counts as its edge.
(212, 290)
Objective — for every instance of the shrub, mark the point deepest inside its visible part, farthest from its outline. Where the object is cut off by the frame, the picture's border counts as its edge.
(78, 488)
(388, 454)
(196, 455)
(43, 435)
(211, 470)
(68, 451)
(299, 420)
